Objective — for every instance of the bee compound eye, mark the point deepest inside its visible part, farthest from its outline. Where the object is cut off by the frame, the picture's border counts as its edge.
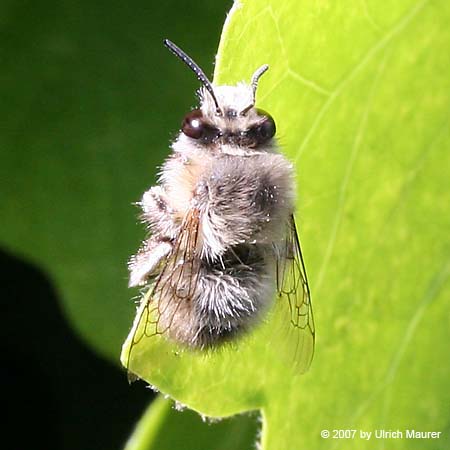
(193, 124)
(264, 130)
(267, 128)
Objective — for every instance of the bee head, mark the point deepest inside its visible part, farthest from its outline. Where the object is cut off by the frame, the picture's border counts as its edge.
(227, 115)
(239, 123)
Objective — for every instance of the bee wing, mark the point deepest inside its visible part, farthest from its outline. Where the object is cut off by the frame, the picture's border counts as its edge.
(175, 283)
(292, 286)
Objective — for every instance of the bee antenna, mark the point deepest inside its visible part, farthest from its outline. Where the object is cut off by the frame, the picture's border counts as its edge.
(254, 84)
(195, 68)
(255, 78)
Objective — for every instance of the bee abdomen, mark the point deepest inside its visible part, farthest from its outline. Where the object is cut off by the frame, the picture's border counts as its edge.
(230, 295)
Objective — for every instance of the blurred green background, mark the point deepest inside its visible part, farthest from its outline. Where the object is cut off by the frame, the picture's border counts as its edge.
(90, 100)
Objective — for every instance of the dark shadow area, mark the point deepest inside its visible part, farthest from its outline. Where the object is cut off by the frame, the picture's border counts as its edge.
(57, 393)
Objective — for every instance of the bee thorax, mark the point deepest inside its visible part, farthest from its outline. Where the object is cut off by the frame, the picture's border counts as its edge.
(244, 200)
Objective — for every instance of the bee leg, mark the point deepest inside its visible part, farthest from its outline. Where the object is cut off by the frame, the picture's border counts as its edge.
(147, 260)
(159, 217)
(157, 213)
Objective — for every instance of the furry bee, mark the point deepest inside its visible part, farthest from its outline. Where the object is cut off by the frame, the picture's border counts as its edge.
(222, 234)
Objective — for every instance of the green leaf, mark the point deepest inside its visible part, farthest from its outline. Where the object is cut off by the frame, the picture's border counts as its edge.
(361, 93)
(163, 427)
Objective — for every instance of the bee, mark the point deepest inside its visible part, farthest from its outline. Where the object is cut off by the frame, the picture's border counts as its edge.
(222, 235)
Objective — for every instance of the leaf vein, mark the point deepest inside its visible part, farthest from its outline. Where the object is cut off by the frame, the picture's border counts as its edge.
(384, 41)
(348, 172)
